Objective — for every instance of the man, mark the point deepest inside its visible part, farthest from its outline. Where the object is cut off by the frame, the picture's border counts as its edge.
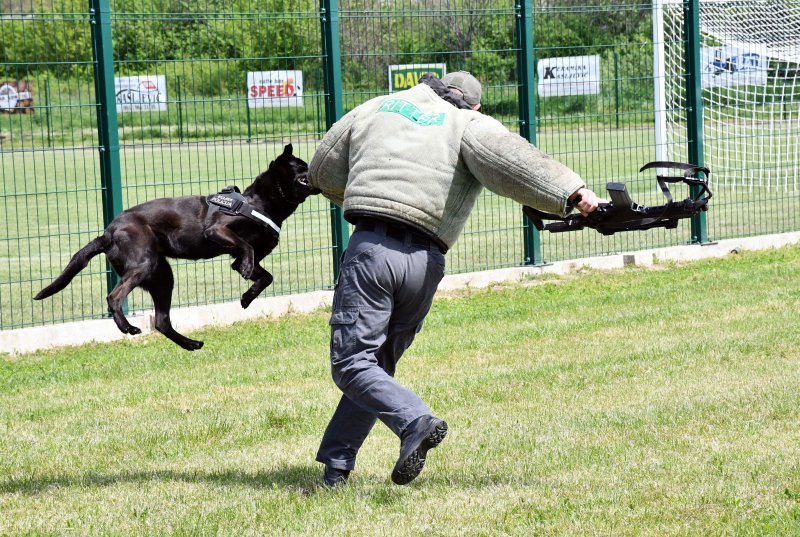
(407, 169)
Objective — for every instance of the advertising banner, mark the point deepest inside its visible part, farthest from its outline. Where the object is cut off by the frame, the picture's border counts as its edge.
(274, 88)
(568, 75)
(734, 66)
(403, 77)
(16, 96)
(141, 93)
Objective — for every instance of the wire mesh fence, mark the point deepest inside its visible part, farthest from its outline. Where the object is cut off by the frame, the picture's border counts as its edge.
(209, 129)
(51, 201)
(206, 94)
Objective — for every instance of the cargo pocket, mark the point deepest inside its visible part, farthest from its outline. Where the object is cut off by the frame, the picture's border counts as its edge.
(343, 333)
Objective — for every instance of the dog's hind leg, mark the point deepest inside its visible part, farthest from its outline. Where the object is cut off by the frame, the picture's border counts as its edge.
(160, 287)
(128, 283)
(262, 279)
(134, 258)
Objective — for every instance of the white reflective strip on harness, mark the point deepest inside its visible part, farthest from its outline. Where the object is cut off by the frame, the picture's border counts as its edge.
(267, 221)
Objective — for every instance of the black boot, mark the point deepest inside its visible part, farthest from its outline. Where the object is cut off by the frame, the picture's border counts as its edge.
(335, 477)
(422, 434)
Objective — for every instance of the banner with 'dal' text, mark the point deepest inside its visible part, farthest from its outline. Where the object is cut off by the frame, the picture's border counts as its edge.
(403, 77)
(274, 88)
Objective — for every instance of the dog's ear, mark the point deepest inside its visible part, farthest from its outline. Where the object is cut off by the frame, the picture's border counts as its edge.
(287, 150)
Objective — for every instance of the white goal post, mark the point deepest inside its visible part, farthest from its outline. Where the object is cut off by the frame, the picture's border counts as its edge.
(750, 64)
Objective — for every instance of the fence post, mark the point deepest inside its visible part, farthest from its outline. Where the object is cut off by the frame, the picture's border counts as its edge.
(694, 105)
(616, 89)
(110, 176)
(532, 241)
(249, 128)
(332, 74)
(179, 92)
(47, 119)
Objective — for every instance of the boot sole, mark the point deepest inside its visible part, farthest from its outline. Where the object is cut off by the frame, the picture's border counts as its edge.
(415, 462)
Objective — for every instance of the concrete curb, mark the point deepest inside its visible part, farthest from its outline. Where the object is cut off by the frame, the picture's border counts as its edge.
(26, 340)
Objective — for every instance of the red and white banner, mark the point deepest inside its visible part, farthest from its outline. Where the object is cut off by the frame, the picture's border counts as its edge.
(274, 88)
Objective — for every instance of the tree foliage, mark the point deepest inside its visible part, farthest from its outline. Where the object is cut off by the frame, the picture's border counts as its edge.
(210, 44)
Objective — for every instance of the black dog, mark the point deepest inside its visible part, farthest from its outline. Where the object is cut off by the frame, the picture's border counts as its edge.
(139, 240)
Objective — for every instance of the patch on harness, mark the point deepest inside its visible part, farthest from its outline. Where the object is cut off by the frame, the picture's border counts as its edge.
(225, 201)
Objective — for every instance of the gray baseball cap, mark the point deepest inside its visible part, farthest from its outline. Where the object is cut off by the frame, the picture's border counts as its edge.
(466, 83)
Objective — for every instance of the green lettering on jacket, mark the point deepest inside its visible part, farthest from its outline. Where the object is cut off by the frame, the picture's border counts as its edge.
(410, 111)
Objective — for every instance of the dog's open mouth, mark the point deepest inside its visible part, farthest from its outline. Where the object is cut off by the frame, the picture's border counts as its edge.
(305, 186)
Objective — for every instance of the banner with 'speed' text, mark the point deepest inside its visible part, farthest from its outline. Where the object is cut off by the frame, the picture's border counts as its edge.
(274, 89)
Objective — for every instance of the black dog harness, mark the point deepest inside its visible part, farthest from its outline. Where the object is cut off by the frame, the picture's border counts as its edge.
(231, 202)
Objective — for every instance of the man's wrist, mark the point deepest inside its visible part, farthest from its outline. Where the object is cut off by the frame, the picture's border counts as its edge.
(575, 197)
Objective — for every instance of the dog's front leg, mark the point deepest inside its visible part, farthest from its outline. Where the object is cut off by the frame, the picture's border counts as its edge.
(234, 245)
(261, 280)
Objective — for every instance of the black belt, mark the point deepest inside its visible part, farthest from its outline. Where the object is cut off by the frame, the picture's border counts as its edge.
(395, 231)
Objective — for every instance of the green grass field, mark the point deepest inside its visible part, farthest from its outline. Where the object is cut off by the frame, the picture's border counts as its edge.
(52, 207)
(633, 402)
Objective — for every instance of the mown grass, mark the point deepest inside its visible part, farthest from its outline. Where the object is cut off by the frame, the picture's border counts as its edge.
(631, 402)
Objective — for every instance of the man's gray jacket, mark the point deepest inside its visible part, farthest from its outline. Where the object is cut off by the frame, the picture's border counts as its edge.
(413, 157)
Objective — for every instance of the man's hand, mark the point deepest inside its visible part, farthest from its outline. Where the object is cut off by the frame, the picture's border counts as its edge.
(585, 201)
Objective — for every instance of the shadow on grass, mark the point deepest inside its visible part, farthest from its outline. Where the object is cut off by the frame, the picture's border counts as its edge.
(304, 479)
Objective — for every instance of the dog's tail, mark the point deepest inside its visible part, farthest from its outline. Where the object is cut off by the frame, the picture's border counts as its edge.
(75, 265)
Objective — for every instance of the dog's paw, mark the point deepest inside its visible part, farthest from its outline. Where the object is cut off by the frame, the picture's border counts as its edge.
(192, 345)
(248, 297)
(130, 329)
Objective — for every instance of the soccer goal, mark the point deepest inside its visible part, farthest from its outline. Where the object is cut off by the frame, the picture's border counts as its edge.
(750, 62)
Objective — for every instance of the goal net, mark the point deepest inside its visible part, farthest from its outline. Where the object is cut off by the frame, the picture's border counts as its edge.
(750, 62)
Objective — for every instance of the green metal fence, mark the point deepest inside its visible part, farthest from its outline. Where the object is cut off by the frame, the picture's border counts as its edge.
(209, 92)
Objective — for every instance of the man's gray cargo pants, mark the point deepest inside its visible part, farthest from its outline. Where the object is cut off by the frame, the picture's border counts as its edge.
(384, 291)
